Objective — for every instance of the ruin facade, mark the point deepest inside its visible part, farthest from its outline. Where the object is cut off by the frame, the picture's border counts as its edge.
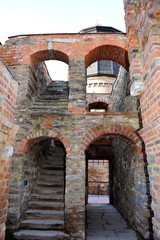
(54, 133)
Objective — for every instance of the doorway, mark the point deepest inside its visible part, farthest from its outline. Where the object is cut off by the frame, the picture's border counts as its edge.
(99, 156)
(98, 180)
(111, 171)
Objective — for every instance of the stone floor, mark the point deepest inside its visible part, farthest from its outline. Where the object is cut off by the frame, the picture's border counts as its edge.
(105, 223)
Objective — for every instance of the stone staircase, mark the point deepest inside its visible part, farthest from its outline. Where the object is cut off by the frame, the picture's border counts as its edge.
(44, 218)
(53, 100)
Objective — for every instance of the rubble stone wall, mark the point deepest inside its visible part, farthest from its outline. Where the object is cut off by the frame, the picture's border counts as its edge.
(131, 187)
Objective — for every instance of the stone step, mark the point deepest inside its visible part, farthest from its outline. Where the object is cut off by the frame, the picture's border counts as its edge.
(61, 84)
(52, 98)
(40, 234)
(51, 197)
(46, 205)
(53, 163)
(42, 224)
(57, 86)
(58, 157)
(50, 178)
(47, 190)
(43, 182)
(51, 172)
(56, 151)
(50, 167)
(57, 102)
(53, 95)
(44, 214)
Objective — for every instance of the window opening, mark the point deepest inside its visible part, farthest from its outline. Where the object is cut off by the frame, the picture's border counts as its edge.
(98, 107)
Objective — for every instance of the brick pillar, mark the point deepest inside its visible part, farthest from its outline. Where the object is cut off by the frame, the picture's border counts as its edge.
(150, 108)
(77, 86)
(22, 73)
(8, 130)
(134, 48)
(75, 197)
(149, 36)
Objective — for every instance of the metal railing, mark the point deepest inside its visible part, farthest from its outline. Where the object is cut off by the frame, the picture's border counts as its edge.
(98, 188)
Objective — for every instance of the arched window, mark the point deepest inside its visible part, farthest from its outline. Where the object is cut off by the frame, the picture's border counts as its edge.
(98, 107)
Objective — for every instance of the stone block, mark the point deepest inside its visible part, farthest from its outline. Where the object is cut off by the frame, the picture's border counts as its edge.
(7, 151)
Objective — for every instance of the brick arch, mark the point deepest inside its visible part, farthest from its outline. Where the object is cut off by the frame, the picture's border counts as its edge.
(43, 55)
(31, 139)
(108, 52)
(98, 99)
(126, 132)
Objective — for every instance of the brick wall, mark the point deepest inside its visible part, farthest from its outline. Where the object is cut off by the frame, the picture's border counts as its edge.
(8, 130)
(143, 20)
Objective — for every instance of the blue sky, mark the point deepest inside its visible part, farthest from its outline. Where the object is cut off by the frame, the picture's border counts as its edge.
(57, 16)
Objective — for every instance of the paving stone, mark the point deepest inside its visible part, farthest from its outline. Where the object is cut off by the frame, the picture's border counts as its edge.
(105, 223)
(96, 238)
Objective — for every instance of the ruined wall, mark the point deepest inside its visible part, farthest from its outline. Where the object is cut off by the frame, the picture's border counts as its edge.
(33, 79)
(130, 187)
(39, 79)
(76, 128)
(8, 130)
(121, 100)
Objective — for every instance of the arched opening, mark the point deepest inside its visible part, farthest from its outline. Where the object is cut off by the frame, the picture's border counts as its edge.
(42, 198)
(108, 82)
(58, 70)
(48, 72)
(108, 78)
(121, 185)
(108, 52)
(48, 88)
(98, 180)
(101, 77)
